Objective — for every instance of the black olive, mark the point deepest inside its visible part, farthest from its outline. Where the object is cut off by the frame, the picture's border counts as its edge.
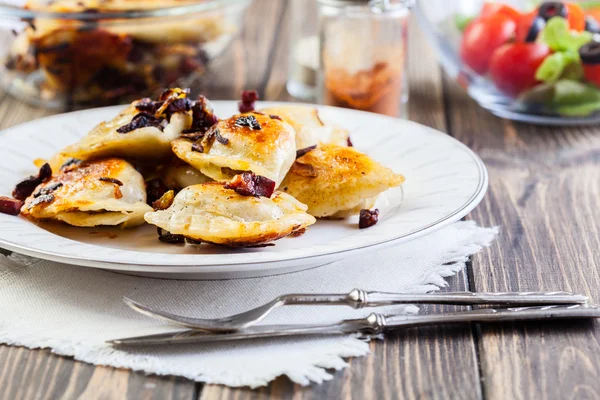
(591, 25)
(590, 53)
(534, 30)
(552, 9)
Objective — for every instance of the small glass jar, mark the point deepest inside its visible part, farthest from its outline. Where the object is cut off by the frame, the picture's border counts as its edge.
(304, 49)
(363, 55)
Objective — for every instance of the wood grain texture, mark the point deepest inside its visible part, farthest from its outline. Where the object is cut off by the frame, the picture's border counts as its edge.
(544, 193)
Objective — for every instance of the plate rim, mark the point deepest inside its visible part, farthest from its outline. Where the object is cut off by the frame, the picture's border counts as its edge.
(262, 265)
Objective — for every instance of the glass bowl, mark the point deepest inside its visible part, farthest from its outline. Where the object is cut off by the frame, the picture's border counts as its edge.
(437, 18)
(84, 53)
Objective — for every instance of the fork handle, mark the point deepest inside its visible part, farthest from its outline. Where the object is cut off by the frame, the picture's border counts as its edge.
(359, 298)
(385, 323)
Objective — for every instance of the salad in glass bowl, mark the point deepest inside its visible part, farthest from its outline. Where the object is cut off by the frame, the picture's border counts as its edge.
(537, 62)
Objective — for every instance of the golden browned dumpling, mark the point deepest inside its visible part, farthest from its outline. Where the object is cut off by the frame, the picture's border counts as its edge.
(338, 182)
(246, 142)
(106, 192)
(310, 129)
(115, 138)
(211, 213)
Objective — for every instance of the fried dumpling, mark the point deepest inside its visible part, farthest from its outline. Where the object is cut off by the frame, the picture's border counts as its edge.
(179, 175)
(212, 213)
(310, 129)
(149, 139)
(104, 192)
(246, 142)
(338, 182)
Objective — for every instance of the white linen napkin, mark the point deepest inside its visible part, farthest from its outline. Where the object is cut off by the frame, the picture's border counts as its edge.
(74, 310)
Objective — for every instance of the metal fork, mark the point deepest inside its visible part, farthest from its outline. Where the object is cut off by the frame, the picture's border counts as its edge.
(358, 298)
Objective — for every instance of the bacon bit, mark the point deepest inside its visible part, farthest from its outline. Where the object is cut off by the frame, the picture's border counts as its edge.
(165, 201)
(155, 189)
(276, 117)
(110, 180)
(220, 139)
(198, 147)
(306, 170)
(249, 121)
(368, 218)
(249, 98)
(298, 232)
(10, 206)
(71, 164)
(301, 152)
(250, 184)
(47, 190)
(143, 120)
(168, 237)
(43, 199)
(203, 117)
(350, 144)
(24, 189)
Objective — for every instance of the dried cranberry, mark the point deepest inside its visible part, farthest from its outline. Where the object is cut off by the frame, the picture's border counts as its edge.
(10, 206)
(349, 142)
(249, 98)
(250, 184)
(368, 218)
(301, 152)
(24, 189)
(276, 117)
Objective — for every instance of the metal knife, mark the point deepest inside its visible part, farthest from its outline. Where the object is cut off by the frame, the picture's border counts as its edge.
(371, 325)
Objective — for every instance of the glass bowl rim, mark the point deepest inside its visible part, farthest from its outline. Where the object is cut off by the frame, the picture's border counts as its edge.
(11, 11)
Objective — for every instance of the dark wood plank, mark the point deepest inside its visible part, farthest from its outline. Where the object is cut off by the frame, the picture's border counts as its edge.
(437, 363)
(28, 374)
(544, 194)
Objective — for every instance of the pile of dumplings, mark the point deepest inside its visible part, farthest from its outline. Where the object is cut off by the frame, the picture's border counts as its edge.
(243, 181)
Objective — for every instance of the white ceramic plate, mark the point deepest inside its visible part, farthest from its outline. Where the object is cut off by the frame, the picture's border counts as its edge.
(444, 181)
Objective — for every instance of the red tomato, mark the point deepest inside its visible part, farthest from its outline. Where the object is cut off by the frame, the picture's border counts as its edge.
(592, 73)
(513, 66)
(524, 24)
(575, 16)
(490, 9)
(482, 37)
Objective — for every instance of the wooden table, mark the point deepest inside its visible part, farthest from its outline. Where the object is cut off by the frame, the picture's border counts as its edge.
(544, 194)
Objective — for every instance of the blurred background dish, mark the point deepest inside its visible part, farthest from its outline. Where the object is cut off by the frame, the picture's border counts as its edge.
(76, 54)
(528, 61)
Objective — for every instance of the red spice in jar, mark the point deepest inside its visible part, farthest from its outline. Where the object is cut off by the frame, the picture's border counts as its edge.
(377, 90)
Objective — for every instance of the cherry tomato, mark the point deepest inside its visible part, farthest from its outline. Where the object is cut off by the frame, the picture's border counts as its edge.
(513, 66)
(592, 73)
(482, 37)
(575, 16)
(490, 9)
(524, 24)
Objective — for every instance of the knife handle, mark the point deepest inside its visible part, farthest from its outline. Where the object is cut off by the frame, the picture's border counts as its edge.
(359, 298)
(378, 323)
